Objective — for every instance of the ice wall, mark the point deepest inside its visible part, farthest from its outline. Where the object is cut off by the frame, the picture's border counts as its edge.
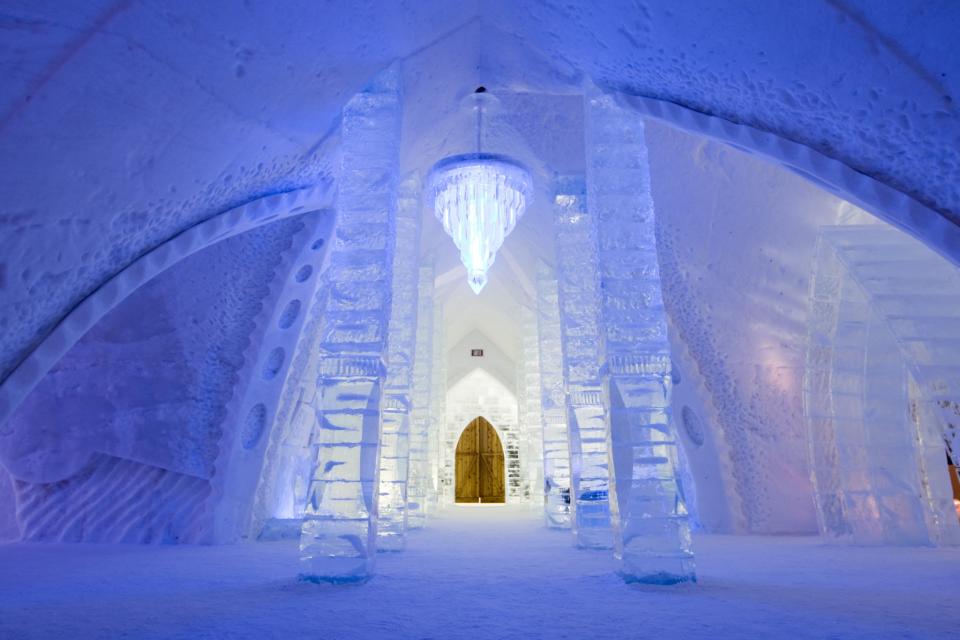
(881, 367)
(480, 394)
(136, 415)
(736, 237)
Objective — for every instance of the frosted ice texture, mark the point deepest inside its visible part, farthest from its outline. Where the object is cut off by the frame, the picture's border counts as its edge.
(339, 532)
(438, 405)
(578, 287)
(420, 485)
(401, 339)
(883, 373)
(530, 418)
(651, 529)
(556, 451)
(479, 198)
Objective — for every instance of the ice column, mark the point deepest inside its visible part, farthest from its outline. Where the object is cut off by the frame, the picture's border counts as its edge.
(556, 455)
(649, 518)
(438, 405)
(420, 485)
(339, 532)
(395, 437)
(577, 276)
(531, 421)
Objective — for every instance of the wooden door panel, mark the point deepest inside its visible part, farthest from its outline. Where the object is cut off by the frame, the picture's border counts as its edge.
(468, 478)
(480, 467)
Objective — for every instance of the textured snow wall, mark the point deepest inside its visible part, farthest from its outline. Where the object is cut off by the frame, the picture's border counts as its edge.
(736, 237)
(881, 367)
(259, 402)
(281, 493)
(121, 440)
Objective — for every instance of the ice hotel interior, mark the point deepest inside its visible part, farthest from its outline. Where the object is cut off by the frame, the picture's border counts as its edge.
(358, 319)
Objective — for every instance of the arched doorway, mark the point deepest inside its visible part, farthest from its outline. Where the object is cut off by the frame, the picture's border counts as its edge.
(480, 465)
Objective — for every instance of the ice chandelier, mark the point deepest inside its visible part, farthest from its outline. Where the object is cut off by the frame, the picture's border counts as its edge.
(479, 197)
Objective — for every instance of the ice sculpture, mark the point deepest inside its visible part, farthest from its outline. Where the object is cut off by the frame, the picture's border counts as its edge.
(556, 452)
(479, 197)
(530, 418)
(395, 437)
(882, 365)
(649, 518)
(419, 486)
(339, 532)
(578, 281)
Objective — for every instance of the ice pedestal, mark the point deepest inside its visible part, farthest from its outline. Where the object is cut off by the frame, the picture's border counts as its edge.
(651, 529)
(420, 486)
(339, 532)
(578, 280)
(556, 452)
(395, 437)
(882, 365)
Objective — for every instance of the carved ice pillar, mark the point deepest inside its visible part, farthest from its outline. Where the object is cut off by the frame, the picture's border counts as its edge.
(339, 532)
(651, 529)
(531, 421)
(419, 485)
(577, 276)
(556, 454)
(438, 405)
(395, 436)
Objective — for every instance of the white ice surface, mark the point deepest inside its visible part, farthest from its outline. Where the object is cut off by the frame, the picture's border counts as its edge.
(487, 571)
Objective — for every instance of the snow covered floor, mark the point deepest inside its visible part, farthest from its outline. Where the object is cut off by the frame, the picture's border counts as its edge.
(479, 572)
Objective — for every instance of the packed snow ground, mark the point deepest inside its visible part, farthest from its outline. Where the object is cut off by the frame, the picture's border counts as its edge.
(479, 572)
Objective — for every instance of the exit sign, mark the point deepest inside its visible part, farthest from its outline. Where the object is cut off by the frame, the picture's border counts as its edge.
(476, 353)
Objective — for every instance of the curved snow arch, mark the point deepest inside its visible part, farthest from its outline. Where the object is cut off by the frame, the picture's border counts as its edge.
(923, 223)
(79, 320)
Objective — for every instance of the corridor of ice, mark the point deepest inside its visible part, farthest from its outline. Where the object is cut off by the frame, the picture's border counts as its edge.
(687, 274)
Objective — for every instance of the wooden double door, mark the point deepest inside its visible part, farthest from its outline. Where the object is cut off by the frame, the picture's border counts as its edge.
(480, 465)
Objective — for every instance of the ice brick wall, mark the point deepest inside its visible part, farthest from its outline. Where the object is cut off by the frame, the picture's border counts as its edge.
(881, 363)
(479, 393)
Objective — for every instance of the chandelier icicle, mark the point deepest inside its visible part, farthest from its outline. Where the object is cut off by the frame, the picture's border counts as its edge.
(479, 197)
